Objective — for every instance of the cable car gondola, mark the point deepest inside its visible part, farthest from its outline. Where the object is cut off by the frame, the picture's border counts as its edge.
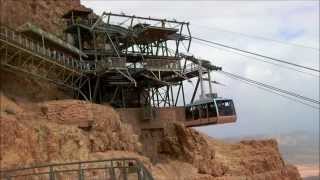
(210, 111)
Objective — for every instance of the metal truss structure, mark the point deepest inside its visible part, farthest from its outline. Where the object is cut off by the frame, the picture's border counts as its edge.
(140, 47)
(127, 61)
(131, 26)
(20, 53)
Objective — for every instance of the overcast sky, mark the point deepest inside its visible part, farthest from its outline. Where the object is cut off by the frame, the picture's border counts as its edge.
(294, 22)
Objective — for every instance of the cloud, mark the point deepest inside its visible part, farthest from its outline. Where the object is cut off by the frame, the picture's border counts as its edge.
(290, 34)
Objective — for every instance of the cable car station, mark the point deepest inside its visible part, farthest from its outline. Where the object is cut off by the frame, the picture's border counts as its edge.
(133, 63)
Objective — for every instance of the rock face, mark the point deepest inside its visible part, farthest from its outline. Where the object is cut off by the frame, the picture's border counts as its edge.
(36, 128)
(37, 91)
(33, 133)
(44, 13)
(43, 139)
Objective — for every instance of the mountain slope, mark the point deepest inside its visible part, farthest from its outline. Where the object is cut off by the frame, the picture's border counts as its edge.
(35, 133)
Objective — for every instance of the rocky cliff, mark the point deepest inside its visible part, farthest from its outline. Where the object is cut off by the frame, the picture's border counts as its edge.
(33, 133)
(43, 13)
(36, 128)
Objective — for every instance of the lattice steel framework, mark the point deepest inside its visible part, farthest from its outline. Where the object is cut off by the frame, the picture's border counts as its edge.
(19, 53)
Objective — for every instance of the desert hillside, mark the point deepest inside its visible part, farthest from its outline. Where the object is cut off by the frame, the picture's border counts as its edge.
(34, 133)
(44, 13)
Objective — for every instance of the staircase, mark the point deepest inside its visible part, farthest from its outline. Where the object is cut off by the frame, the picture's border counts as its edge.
(111, 169)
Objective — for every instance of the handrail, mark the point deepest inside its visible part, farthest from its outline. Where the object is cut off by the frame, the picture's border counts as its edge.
(162, 64)
(193, 67)
(25, 42)
(12, 36)
(116, 163)
(69, 163)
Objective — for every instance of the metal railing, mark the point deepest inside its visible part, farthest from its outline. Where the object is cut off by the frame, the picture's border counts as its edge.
(65, 60)
(192, 67)
(36, 47)
(162, 64)
(111, 169)
(112, 62)
(88, 22)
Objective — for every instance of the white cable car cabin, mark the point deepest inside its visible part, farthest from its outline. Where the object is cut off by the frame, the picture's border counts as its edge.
(210, 111)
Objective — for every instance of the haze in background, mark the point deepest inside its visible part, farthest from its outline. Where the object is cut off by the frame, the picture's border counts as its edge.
(259, 112)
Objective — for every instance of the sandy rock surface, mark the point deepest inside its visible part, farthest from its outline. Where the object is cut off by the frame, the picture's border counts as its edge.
(49, 132)
(44, 13)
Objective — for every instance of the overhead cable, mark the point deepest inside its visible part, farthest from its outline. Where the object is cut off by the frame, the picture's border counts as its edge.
(275, 92)
(256, 54)
(260, 37)
(260, 59)
(293, 94)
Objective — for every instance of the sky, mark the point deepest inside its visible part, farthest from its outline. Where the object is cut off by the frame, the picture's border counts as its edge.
(296, 23)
